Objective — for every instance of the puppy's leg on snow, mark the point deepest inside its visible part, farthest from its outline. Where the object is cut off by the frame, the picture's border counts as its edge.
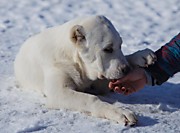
(61, 94)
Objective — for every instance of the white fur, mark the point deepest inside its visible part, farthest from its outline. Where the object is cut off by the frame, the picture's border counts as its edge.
(64, 61)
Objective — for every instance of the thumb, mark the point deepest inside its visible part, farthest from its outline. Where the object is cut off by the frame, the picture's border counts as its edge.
(121, 80)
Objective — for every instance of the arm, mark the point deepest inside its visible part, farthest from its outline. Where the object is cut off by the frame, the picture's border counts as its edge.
(168, 62)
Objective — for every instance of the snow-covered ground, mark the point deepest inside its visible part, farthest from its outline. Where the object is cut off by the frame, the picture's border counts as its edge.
(141, 23)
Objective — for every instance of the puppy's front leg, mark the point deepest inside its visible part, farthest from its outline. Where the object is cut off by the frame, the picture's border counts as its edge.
(60, 92)
(141, 58)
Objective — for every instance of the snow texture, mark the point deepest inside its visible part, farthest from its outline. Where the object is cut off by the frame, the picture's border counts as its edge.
(141, 23)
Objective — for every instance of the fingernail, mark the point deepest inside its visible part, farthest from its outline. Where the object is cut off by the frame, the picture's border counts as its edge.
(110, 85)
(123, 88)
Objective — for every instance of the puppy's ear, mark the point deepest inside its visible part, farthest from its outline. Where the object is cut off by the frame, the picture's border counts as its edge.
(77, 34)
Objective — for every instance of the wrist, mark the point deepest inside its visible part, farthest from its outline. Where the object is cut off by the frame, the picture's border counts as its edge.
(149, 78)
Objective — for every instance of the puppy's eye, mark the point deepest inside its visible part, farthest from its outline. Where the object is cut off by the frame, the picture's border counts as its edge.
(108, 50)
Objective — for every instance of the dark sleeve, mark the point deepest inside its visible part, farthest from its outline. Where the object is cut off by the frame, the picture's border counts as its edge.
(168, 61)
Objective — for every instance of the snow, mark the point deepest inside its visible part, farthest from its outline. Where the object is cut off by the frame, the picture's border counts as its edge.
(141, 23)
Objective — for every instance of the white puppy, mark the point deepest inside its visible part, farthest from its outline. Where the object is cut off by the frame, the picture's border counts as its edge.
(64, 61)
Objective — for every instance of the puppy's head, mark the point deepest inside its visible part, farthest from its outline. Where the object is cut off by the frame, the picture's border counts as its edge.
(99, 47)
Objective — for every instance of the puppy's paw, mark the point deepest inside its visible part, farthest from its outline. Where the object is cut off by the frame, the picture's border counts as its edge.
(149, 57)
(122, 116)
(128, 118)
(143, 58)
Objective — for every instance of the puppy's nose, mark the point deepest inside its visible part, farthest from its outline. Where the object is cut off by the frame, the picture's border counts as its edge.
(126, 70)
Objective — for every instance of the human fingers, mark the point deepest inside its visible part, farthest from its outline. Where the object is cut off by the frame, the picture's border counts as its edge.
(119, 89)
(111, 85)
(120, 81)
(129, 91)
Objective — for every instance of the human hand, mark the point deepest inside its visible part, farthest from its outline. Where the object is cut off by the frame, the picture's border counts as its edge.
(132, 82)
